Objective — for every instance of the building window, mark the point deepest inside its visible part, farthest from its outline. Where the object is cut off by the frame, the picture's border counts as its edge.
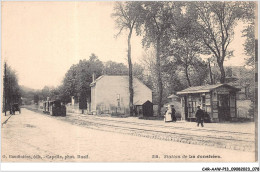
(118, 100)
(203, 101)
(192, 108)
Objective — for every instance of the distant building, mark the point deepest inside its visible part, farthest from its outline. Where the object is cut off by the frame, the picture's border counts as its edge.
(176, 101)
(218, 101)
(174, 98)
(145, 109)
(110, 94)
(239, 77)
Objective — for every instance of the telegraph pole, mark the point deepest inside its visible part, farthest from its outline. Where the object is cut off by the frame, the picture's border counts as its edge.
(5, 79)
(10, 94)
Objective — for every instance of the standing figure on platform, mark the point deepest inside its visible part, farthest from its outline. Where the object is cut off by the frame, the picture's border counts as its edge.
(167, 116)
(174, 119)
(200, 117)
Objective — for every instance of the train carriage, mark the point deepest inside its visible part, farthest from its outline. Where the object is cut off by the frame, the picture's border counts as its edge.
(15, 107)
(54, 108)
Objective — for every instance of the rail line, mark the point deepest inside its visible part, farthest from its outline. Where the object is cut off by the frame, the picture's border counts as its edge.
(189, 138)
(6, 120)
(164, 132)
(168, 127)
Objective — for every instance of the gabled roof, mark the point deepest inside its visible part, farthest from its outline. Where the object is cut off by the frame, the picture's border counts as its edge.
(94, 82)
(118, 76)
(139, 103)
(205, 88)
(172, 96)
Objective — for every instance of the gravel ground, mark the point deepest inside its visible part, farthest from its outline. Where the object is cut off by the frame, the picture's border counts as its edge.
(174, 132)
(246, 127)
(31, 136)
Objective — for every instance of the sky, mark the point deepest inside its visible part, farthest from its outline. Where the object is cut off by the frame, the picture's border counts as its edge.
(41, 40)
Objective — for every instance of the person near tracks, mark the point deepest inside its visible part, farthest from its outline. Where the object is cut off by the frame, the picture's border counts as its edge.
(167, 116)
(200, 116)
(174, 119)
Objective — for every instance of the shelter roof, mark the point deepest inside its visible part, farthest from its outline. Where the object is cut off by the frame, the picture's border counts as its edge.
(172, 96)
(117, 77)
(140, 103)
(205, 89)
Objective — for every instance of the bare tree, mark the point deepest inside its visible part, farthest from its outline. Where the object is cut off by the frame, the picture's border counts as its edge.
(216, 21)
(249, 45)
(158, 23)
(126, 18)
(12, 91)
(186, 51)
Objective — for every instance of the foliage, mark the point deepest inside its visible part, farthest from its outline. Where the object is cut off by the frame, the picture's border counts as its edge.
(36, 99)
(216, 21)
(138, 71)
(246, 79)
(182, 32)
(127, 18)
(185, 51)
(114, 68)
(159, 21)
(175, 35)
(12, 91)
(199, 73)
(250, 44)
(170, 79)
(78, 78)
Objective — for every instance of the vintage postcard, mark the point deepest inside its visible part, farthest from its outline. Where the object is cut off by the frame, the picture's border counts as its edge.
(147, 81)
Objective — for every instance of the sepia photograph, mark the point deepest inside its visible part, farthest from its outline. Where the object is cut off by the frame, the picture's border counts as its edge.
(129, 81)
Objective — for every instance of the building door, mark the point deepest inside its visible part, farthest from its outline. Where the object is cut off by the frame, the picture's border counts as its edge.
(203, 101)
(223, 107)
(186, 107)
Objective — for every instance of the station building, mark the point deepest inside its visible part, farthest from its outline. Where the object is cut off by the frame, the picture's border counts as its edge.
(218, 101)
(110, 94)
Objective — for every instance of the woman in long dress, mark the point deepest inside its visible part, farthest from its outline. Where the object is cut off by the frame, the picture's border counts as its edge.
(167, 116)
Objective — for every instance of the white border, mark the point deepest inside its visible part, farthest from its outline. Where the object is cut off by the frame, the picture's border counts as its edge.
(120, 166)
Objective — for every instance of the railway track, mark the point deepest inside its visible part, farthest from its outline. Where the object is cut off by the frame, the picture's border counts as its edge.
(190, 138)
(165, 132)
(6, 120)
(169, 127)
(209, 137)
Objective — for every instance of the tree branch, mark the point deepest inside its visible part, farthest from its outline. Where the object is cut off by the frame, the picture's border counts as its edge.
(158, 28)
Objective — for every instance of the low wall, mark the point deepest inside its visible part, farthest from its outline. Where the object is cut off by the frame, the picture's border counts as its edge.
(75, 109)
(243, 107)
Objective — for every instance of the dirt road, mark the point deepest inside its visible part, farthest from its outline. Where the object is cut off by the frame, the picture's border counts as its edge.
(31, 136)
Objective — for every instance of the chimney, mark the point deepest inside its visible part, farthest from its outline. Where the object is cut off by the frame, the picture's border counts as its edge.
(93, 77)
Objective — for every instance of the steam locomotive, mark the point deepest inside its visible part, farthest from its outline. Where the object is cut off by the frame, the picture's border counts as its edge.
(54, 108)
